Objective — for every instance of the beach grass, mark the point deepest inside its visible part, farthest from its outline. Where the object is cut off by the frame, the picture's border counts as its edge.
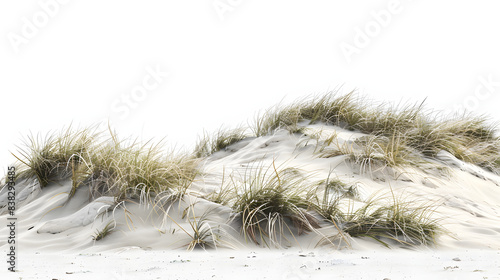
(398, 129)
(49, 157)
(401, 221)
(274, 204)
(126, 168)
(209, 144)
(120, 168)
(382, 218)
(267, 199)
(105, 231)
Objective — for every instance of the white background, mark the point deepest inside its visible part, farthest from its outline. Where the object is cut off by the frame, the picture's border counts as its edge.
(80, 58)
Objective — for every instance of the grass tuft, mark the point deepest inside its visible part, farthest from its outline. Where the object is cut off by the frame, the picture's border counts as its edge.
(208, 145)
(267, 199)
(48, 158)
(403, 222)
(100, 234)
(123, 169)
(203, 236)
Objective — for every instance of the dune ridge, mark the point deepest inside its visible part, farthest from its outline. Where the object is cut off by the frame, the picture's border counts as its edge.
(325, 173)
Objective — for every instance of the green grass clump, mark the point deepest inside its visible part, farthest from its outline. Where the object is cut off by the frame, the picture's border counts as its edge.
(100, 234)
(381, 151)
(208, 145)
(373, 151)
(467, 137)
(50, 157)
(277, 118)
(344, 111)
(204, 235)
(123, 169)
(328, 206)
(402, 222)
(126, 169)
(380, 218)
(398, 129)
(269, 198)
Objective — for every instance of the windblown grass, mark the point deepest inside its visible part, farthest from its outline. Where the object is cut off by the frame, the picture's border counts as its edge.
(100, 234)
(268, 198)
(49, 157)
(373, 151)
(122, 169)
(397, 129)
(400, 221)
(208, 144)
(467, 137)
(328, 206)
(381, 218)
(203, 234)
(277, 118)
(125, 169)
(203, 231)
(273, 204)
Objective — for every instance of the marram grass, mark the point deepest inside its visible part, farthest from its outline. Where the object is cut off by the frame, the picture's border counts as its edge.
(267, 199)
(271, 204)
(401, 221)
(381, 218)
(209, 144)
(407, 127)
(398, 132)
(49, 157)
(120, 168)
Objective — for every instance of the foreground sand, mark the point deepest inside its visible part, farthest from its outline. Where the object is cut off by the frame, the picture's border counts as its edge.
(136, 263)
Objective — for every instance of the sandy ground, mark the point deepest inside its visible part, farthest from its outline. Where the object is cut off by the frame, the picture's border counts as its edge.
(135, 263)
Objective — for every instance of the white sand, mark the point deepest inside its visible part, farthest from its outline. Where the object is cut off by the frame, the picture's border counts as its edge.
(135, 263)
(55, 235)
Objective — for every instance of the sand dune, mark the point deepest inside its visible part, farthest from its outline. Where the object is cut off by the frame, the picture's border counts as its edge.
(149, 234)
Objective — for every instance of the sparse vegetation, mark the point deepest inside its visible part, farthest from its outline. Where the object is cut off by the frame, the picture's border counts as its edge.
(396, 129)
(125, 169)
(267, 199)
(273, 205)
(100, 234)
(208, 145)
(50, 157)
(203, 235)
(328, 206)
(108, 166)
(399, 221)
(379, 218)
(372, 150)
